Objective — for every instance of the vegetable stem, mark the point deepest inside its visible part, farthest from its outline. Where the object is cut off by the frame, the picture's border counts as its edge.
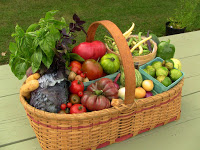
(117, 77)
(98, 92)
(112, 59)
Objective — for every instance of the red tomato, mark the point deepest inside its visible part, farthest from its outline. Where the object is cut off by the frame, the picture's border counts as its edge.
(80, 94)
(90, 50)
(74, 69)
(79, 72)
(75, 64)
(69, 105)
(77, 108)
(63, 106)
(92, 69)
(76, 86)
(83, 75)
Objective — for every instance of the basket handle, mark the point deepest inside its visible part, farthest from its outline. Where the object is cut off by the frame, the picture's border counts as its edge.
(126, 57)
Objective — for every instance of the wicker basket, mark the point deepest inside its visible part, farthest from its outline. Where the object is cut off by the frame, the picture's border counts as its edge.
(139, 60)
(92, 130)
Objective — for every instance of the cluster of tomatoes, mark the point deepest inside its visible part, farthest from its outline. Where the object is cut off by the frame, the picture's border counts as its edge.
(74, 105)
(79, 72)
(90, 69)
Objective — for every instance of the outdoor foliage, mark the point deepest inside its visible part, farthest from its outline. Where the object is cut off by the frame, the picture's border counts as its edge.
(147, 15)
(185, 14)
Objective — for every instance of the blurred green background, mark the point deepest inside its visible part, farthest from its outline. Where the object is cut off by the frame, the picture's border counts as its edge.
(147, 15)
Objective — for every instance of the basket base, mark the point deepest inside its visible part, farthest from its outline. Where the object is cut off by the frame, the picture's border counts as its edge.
(125, 137)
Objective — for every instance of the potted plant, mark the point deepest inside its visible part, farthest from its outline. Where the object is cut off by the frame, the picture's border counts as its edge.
(183, 17)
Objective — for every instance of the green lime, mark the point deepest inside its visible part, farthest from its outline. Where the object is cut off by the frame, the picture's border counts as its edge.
(166, 81)
(150, 70)
(175, 74)
(169, 64)
(162, 71)
(156, 64)
(149, 67)
(145, 70)
(160, 78)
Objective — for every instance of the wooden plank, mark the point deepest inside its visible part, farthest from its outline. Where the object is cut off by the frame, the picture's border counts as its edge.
(186, 44)
(14, 124)
(181, 137)
(26, 145)
(9, 84)
(190, 66)
(191, 85)
(182, 134)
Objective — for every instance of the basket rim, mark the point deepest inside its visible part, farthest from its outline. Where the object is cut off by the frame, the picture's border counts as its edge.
(143, 56)
(113, 110)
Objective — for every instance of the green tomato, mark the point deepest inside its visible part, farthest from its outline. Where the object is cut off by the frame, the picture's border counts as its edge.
(110, 63)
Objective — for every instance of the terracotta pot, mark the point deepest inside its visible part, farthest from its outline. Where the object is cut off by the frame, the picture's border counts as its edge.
(172, 31)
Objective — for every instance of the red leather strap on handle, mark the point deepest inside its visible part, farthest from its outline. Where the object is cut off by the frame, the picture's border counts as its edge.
(126, 57)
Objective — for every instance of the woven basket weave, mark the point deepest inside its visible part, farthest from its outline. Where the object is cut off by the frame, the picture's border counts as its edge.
(92, 130)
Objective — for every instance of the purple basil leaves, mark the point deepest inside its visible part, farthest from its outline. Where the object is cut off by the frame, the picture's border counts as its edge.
(68, 38)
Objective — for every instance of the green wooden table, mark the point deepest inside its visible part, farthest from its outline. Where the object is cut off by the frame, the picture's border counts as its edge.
(184, 134)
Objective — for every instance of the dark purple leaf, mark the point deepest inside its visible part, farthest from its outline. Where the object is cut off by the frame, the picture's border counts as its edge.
(72, 30)
(77, 28)
(83, 30)
(64, 32)
(66, 41)
(76, 18)
(66, 36)
(71, 26)
(80, 23)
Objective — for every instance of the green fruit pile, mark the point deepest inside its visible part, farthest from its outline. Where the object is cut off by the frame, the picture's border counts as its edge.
(164, 72)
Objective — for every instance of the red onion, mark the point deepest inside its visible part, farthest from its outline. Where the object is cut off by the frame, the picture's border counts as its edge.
(116, 85)
(116, 79)
(148, 94)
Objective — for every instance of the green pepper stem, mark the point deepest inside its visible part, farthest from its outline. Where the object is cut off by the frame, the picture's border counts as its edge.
(80, 107)
(98, 92)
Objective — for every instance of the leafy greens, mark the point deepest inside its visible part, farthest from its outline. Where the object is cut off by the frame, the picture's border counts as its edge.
(38, 45)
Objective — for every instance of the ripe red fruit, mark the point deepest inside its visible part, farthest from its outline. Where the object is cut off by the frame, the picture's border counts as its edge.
(63, 106)
(92, 69)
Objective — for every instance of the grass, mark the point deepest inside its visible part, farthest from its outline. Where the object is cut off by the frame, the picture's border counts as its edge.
(147, 15)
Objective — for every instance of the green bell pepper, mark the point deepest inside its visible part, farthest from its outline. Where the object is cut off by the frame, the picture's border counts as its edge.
(165, 50)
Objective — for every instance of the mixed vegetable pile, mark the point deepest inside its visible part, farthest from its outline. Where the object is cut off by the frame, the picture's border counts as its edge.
(57, 71)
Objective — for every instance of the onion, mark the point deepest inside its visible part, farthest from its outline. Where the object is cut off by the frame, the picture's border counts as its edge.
(116, 85)
(121, 93)
(148, 94)
(148, 85)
